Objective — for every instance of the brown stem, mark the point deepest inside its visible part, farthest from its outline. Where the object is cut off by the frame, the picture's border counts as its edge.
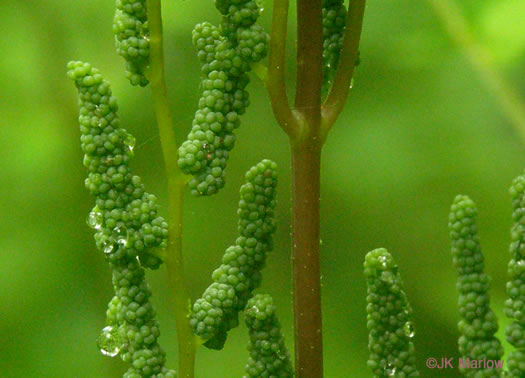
(306, 159)
(309, 63)
(306, 156)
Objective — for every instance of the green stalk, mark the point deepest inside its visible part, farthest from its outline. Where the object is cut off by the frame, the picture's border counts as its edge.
(480, 58)
(276, 63)
(176, 184)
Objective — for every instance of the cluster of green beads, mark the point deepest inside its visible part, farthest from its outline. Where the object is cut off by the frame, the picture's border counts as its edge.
(515, 305)
(478, 323)
(132, 316)
(268, 354)
(216, 312)
(125, 216)
(334, 21)
(226, 54)
(388, 318)
(130, 26)
(126, 223)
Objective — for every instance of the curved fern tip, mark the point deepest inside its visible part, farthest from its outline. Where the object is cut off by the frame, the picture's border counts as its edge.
(377, 261)
(389, 318)
(126, 224)
(478, 323)
(226, 55)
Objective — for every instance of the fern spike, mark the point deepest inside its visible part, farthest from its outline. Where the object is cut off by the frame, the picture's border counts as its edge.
(515, 304)
(268, 354)
(478, 323)
(389, 318)
(130, 26)
(127, 227)
(234, 280)
(334, 22)
(226, 54)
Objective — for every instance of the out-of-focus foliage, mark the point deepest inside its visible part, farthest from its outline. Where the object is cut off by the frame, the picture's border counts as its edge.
(419, 128)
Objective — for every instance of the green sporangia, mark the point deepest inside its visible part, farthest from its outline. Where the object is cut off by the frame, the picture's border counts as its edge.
(226, 54)
(334, 21)
(216, 312)
(515, 304)
(478, 323)
(268, 354)
(133, 237)
(130, 26)
(127, 226)
(389, 318)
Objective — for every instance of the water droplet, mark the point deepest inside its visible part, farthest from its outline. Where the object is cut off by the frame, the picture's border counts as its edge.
(351, 83)
(384, 261)
(109, 247)
(95, 219)
(255, 311)
(97, 111)
(109, 341)
(409, 330)
(120, 236)
(390, 370)
(130, 142)
(260, 4)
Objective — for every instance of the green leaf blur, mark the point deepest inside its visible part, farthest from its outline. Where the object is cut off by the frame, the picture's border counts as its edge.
(420, 126)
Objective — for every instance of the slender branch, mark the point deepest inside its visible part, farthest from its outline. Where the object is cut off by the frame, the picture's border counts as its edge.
(306, 265)
(336, 99)
(185, 337)
(176, 185)
(510, 101)
(309, 62)
(157, 78)
(276, 84)
(306, 157)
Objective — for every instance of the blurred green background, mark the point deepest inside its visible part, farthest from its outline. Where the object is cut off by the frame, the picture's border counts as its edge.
(420, 127)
